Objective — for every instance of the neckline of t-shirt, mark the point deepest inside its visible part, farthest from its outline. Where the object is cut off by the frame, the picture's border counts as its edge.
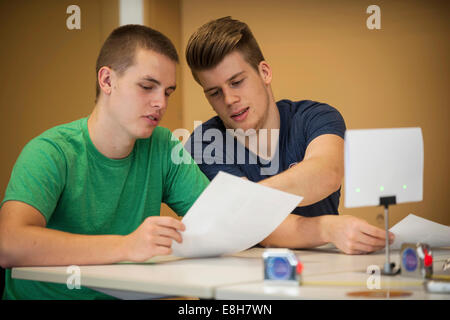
(98, 155)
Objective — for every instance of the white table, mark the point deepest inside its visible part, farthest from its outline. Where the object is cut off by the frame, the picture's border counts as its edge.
(186, 277)
(330, 275)
(327, 275)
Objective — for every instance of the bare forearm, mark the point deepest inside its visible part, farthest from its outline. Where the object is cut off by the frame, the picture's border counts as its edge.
(38, 246)
(298, 232)
(312, 179)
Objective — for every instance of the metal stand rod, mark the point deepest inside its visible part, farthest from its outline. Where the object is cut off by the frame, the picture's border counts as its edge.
(387, 264)
(389, 267)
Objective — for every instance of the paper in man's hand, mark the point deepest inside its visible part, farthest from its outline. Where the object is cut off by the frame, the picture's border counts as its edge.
(232, 214)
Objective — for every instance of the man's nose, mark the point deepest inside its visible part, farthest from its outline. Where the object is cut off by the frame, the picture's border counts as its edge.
(160, 102)
(230, 97)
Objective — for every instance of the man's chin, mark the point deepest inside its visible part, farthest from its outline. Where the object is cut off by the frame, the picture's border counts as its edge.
(144, 134)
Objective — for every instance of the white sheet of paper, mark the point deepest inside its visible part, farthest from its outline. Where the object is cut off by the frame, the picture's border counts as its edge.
(415, 229)
(232, 214)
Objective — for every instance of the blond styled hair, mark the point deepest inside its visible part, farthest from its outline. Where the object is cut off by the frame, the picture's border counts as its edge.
(214, 40)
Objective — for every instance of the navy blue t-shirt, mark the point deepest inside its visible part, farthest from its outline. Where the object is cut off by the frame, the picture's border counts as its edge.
(214, 149)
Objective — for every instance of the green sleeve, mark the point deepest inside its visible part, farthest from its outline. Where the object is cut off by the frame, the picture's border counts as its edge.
(184, 181)
(38, 176)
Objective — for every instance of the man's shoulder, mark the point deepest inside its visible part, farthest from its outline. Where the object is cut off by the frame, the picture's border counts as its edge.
(53, 148)
(302, 106)
(59, 136)
(310, 119)
(306, 112)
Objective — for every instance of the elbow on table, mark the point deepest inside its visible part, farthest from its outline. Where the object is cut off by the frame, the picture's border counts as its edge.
(272, 241)
(5, 261)
(5, 251)
(265, 243)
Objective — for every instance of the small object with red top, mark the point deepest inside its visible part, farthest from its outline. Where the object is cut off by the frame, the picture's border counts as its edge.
(416, 260)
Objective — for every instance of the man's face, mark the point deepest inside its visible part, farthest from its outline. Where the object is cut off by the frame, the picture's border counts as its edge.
(237, 92)
(140, 95)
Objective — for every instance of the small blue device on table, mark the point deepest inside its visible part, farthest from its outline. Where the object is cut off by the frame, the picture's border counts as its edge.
(282, 266)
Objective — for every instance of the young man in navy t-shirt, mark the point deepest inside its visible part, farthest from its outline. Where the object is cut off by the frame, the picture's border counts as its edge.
(296, 147)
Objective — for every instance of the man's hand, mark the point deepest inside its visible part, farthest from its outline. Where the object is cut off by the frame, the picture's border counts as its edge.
(152, 238)
(355, 236)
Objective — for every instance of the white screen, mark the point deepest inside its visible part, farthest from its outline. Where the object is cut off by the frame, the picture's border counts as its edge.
(383, 162)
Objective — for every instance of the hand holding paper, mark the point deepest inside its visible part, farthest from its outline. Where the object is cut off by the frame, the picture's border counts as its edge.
(231, 215)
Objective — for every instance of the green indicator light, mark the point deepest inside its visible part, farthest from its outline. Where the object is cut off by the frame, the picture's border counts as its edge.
(404, 186)
(358, 190)
(381, 188)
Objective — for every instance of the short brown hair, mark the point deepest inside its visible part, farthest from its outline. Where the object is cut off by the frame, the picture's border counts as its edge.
(214, 40)
(120, 48)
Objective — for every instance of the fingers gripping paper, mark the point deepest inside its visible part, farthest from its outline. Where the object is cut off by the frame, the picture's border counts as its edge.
(232, 214)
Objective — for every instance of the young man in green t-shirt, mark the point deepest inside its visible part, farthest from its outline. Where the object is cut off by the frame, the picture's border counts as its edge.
(89, 192)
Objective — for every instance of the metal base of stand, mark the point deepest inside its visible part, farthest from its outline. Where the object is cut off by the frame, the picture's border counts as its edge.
(390, 270)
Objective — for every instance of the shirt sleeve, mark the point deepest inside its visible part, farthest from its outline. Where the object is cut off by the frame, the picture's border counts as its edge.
(184, 180)
(319, 119)
(38, 176)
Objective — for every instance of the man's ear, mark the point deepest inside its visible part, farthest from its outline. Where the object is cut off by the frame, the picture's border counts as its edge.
(105, 75)
(265, 71)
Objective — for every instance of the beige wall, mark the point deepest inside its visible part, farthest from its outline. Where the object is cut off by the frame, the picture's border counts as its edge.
(322, 50)
(48, 71)
(319, 50)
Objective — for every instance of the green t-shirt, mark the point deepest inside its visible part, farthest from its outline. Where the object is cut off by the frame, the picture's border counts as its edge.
(79, 190)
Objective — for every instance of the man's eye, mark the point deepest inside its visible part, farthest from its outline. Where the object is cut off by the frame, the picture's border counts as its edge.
(236, 83)
(146, 88)
(214, 94)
